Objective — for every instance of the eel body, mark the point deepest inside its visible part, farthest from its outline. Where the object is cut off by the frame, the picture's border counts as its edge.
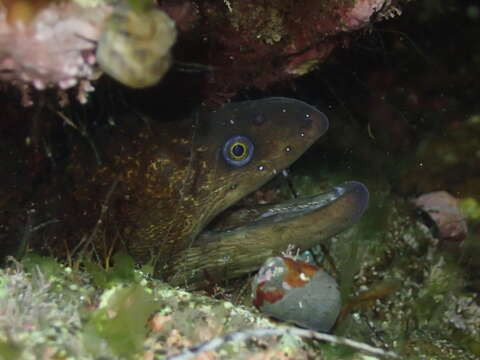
(160, 184)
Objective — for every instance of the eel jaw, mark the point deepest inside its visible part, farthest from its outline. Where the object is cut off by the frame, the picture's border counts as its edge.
(343, 205)
(303, 222)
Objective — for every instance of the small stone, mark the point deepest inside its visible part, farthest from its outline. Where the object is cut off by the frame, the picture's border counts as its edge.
(297, 292)
(444, 211)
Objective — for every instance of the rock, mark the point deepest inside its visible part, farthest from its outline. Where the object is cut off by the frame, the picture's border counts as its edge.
(298, 292)
(443, 209)
(52, 45)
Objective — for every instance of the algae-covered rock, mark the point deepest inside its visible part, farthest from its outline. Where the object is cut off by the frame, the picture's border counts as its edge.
(428, 312)
(49, 44)
(61, 314)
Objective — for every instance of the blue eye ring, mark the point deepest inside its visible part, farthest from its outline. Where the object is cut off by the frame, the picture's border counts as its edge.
(238, 151)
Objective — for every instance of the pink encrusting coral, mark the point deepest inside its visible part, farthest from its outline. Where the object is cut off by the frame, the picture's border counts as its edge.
(360, 14)
(53, 47)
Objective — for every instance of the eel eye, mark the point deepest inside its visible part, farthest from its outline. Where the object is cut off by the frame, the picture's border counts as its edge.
(238, 151)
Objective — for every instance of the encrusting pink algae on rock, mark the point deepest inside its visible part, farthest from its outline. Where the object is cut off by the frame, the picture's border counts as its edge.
(49, 44)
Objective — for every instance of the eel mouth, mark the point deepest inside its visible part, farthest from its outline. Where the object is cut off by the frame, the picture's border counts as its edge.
(337, 208)
(241, 246)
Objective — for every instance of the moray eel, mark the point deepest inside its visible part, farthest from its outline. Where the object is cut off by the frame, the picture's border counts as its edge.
(161, 184)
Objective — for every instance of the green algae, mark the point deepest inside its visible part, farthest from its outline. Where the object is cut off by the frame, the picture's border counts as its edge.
(48, 266)
(470, 208)
(263, 23)
(123, 270)
(9, 350)
(119, 323)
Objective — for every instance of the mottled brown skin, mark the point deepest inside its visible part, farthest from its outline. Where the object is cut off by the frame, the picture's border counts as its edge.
(161, 184)
(186, 181)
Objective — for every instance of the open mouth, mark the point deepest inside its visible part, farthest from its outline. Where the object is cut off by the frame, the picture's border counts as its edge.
(352, 195)
(268, 230)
